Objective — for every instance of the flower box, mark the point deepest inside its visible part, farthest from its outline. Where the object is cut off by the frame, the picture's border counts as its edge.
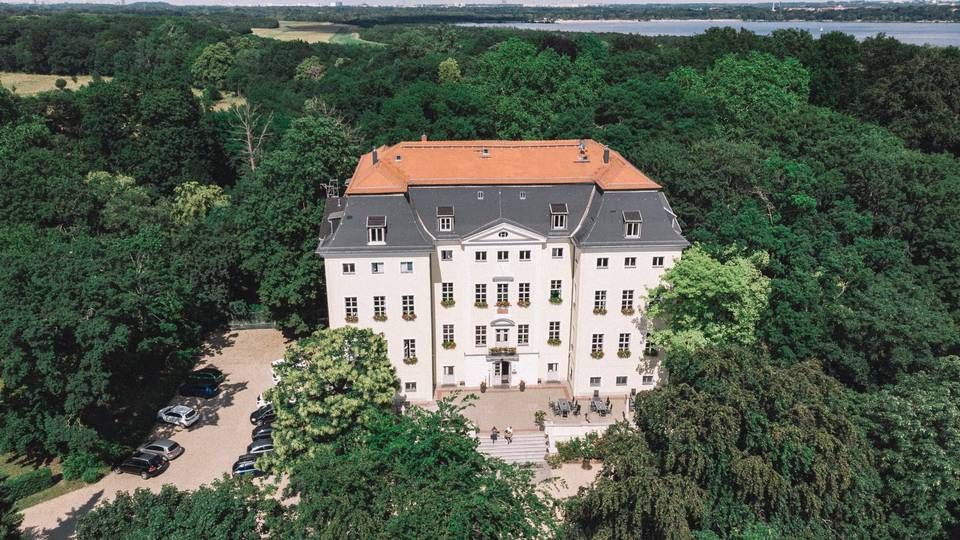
(556, 300)
(480, 305)
(503, 303)
(409, 360)
(379, 317)
(351, 318)
(553, 341)
(502, 351)
(596, 354)
(623, 353)
(449, 345)
(627, 311)
(410, 316)
(599, 311)
(449, 302)
(523, 303)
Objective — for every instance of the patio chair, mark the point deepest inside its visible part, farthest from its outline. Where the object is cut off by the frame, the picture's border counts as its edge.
(576, 410)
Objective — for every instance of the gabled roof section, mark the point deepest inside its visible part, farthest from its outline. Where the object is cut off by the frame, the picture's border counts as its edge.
(478, 163)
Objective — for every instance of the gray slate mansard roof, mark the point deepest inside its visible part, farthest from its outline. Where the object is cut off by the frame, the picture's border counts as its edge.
(345, 219)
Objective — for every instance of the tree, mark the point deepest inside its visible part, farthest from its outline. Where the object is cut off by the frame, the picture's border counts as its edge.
(415, 476)
(311, 69)
(757, 87)
(211, 67)
(449, 71)
(702, 302)
(331, 382)
(250, 127)
(193, 200)
(9, 518)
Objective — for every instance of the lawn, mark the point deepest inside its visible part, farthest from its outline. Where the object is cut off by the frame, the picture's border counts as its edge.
(10, 466)
(28, 84)
(314, 32)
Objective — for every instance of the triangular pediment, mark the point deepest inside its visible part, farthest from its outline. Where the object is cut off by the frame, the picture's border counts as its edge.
(504, 232)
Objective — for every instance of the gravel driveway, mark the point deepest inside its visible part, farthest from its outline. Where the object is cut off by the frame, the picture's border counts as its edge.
(212, 444)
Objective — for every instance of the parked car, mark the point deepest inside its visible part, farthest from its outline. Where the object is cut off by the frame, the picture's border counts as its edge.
(164, 448)
(179, 415)
(207, 375)
(146, 465)
(273, 370)
(199, 390)
(262, 445)
(263, 415)
(262, 430)
(247, 465)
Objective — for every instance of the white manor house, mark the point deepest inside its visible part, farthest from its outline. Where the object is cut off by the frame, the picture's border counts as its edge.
(498, 262)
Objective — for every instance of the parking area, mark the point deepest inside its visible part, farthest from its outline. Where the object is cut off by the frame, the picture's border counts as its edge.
(212, 444)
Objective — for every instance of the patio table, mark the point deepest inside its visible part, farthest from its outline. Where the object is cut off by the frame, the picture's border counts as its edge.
(564, 406)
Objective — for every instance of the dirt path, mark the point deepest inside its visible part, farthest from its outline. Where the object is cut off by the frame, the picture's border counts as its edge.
(211, 444)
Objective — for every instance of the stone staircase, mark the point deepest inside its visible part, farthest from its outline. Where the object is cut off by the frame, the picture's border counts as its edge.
(527, 447)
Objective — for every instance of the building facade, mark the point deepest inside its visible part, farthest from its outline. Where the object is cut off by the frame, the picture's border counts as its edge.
(496, 262)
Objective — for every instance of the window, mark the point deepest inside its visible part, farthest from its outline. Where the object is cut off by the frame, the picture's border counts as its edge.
(376, 268)
(480, 193)
(553, 367)
(621, 380)
(658, 262)
(631, 224)
(648, 348)
(523, 195)
(554, 330)
(379, 306)
(503, 256)
(409, 387)
(407, 303)
(525, 255)
(629, 262)
(446, 292)
(445, 224)
(375, 235)
(503, 234)
(557, 253)
(447, 332)
(349, 268)
(480, 256)
(647, 380)
(600, 300)
(594, 381)
(409, 348)
(406, 267)
(523, 334)
(626, 302)
(448, 370)
(624, 344)
(603, 263)
(503, 335)
(503, 293)
(446, 254)
(481, 336)
(523, 292)
(632, 230)
(596, 344)
(555, 286)
(558, 215)
(559, 221)
(480, 293)
(350, 306)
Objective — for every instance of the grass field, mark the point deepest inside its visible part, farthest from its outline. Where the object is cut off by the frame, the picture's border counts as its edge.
(228, 100)
(28, 84)
(314, 32)
(11, 466)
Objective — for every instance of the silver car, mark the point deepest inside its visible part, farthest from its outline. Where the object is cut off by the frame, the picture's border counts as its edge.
(164, 448)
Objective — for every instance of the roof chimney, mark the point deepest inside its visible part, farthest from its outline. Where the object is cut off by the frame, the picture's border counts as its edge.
(606, 154)
(374, 155)
(423, 137)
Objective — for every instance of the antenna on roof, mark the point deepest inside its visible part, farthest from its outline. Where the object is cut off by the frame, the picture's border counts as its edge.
(606, 154)
(374, 156)
(582, 146)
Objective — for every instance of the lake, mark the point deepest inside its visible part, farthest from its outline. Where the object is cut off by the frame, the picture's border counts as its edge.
(919, 33)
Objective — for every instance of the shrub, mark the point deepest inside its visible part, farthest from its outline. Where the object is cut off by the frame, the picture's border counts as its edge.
(78, 463)
(60, 83)
(579, 448)
(28, 483)
(91, 476)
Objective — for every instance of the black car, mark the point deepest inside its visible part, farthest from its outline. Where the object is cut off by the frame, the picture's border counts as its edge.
(199, 390)
(207, 375)
(263, 430)
(261, 445)
(146, 465)
(247, 465)
(263, 415)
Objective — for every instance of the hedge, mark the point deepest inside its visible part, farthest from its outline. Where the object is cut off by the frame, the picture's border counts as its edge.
(28, 483)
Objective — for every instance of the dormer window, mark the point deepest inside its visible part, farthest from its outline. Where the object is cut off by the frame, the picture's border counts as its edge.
(631, 224)
(445, 218)
(376, 229)
(479, 195)
(558, 216)
(485, 152)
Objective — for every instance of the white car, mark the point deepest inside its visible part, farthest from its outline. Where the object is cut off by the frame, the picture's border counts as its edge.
(179, 415)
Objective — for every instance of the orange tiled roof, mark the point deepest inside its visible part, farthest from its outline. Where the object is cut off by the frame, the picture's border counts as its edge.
(446, 163)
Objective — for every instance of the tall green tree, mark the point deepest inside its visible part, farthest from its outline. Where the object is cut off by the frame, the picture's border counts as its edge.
(211, 67)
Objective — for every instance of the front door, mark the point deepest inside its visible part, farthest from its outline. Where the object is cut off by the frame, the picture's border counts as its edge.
(501, 372)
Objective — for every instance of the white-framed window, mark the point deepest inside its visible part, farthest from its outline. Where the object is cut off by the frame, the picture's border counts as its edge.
(658, 262)
(349, 268)
(480, 293)
(559, 221)
(480, 193)
(624, 343)
(523, 195)
(350, 306)
(626, 300)
(446, 254)
(553, 330)
(600, 300)
(596, 344)
(409, 348)
(556, 253)
(480, 335)
(594, 381)
(448, 370)
(648, 348)
(647, 380)
(407, 303)
(406, 267)
(621, 380)
(445, 224)
(524, 255)
(380, 305)
(376, 235)
(523, 334)
(632, 230)
(629, 262)
(553, 367)
(502, 335)
(376, 268)
(503, 292)
(603, 263)
(503, 256)
(480, 256)
(555, 287)
(446, 291)
(447, 332)
(409, 386)
(523, 292)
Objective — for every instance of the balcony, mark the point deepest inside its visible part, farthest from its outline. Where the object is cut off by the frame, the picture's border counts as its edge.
(502, 351)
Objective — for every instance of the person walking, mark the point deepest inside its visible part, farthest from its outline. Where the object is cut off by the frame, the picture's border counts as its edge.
(494, 433)
(508, 434)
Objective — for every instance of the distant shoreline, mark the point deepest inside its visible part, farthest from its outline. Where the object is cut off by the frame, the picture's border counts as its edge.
(621, 21)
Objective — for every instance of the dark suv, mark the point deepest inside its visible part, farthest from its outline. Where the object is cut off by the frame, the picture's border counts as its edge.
(208, 375)
(199, 390)
(263, 415)
(146, 465)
